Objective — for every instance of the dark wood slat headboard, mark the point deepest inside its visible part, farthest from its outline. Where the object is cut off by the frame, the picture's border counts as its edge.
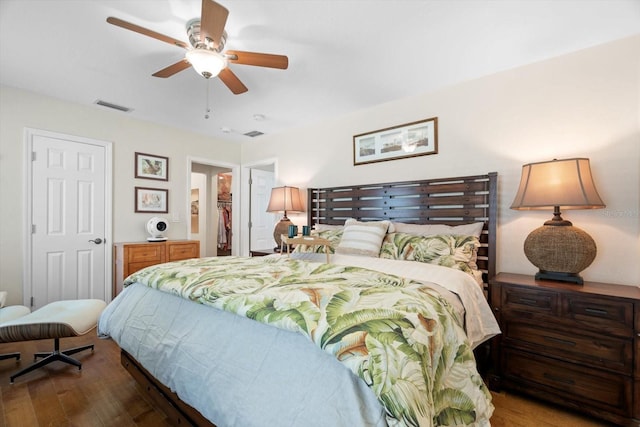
(451, 201)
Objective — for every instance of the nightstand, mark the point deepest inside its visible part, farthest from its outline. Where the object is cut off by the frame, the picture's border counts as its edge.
(576, 346)
(262, 252)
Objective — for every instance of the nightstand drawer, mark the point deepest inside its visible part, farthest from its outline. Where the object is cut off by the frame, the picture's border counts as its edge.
(592, 387)
(516, 298)
(609, 352)
(607, 315)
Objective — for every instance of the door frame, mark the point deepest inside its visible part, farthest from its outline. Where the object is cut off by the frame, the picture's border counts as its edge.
(27, 191)
(235, 202)
(245, 194)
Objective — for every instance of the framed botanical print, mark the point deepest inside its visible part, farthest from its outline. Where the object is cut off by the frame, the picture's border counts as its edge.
(153, 200)
(149, 166)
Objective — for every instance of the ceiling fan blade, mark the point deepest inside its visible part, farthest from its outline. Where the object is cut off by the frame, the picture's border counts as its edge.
(172, 69)
(232, 81)
(212, 21)
(138, 29)
(257, 59)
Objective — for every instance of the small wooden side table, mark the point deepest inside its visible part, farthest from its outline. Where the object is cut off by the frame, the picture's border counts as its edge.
(305, 240)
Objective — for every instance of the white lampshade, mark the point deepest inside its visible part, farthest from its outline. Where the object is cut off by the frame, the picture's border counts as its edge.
(285, 199)
(565, 183)
(207, 63)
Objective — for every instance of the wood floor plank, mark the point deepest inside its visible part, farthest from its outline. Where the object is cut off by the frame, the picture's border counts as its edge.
(513, 410)
(103, 394)
(17, 406)
(45, 402)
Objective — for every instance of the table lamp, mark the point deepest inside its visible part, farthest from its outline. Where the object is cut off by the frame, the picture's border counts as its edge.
(284, 199)
(558, 249)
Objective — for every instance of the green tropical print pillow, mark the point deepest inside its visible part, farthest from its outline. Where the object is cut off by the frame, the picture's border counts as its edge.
(447, 250)
(399, 336)
(334, 236)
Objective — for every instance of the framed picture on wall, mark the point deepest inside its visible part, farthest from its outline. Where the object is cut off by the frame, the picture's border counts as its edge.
(152, 200)
(149, 166)
(398, 142)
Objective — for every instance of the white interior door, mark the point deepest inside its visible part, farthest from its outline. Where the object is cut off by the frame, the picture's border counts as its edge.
(262, 222)
(69, 208)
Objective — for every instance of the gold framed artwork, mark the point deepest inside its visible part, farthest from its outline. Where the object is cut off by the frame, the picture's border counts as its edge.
(150, 166)
(398, 142)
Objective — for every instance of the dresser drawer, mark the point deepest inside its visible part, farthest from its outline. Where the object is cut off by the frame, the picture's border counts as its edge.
(526, 300)
(145, 253)
(591, 387)
(137, 266)
(597, 350)
(178, 251)
(609, 316)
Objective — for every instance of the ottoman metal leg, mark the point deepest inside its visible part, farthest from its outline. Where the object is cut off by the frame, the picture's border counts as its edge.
(56, 355)
(10, 356)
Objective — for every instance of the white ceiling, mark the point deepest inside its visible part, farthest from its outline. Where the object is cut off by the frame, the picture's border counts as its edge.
(344, 55)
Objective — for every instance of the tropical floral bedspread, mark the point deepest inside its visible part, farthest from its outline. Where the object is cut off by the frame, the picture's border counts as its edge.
(398, 335)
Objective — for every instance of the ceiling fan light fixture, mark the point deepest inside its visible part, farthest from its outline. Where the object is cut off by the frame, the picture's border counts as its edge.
(207, 63)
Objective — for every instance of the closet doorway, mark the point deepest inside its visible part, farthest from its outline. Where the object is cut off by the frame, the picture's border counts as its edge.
(212, 208)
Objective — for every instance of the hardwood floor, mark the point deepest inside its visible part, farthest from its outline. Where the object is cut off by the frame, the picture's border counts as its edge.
(103, 394)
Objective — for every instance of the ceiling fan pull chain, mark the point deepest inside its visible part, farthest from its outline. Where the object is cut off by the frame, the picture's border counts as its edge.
(208, 110)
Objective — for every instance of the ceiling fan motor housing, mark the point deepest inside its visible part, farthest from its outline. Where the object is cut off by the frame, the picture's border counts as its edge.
(193, 31)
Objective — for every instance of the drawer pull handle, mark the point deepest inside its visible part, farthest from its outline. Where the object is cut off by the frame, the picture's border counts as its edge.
(560, 341)
(527, 301)
(596, 311)
(559, 379)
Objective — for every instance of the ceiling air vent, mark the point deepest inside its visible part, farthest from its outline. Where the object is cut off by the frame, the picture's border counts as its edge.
(113, 106)
(254, 133)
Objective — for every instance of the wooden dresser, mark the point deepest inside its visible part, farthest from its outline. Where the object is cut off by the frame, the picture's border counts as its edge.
(576, 346)
(134, 256)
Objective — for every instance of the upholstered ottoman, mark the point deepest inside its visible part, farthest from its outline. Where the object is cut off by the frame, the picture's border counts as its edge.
(59, 319)
(7, 314)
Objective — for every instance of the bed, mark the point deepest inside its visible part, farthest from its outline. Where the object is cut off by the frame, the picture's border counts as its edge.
(374, 338)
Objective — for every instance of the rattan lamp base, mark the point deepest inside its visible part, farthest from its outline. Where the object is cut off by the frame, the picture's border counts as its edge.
(560, 252)
(282, 227)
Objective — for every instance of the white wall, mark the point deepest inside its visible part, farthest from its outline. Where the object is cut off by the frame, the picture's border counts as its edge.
(20, 109)
(584, 104)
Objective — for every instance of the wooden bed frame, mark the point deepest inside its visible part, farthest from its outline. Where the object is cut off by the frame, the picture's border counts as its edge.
(451, 201)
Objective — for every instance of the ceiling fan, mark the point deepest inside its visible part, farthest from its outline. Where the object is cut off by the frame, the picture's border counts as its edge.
(207, 38)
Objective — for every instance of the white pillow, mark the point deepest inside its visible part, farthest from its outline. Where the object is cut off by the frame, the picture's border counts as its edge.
(473, 229)
(362, 238)
(326, 227)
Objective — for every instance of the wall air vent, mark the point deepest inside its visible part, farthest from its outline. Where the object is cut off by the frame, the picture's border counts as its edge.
(113, 106)
(254, 133)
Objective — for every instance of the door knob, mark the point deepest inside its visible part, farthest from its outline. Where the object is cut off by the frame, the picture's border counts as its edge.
(97, 241)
